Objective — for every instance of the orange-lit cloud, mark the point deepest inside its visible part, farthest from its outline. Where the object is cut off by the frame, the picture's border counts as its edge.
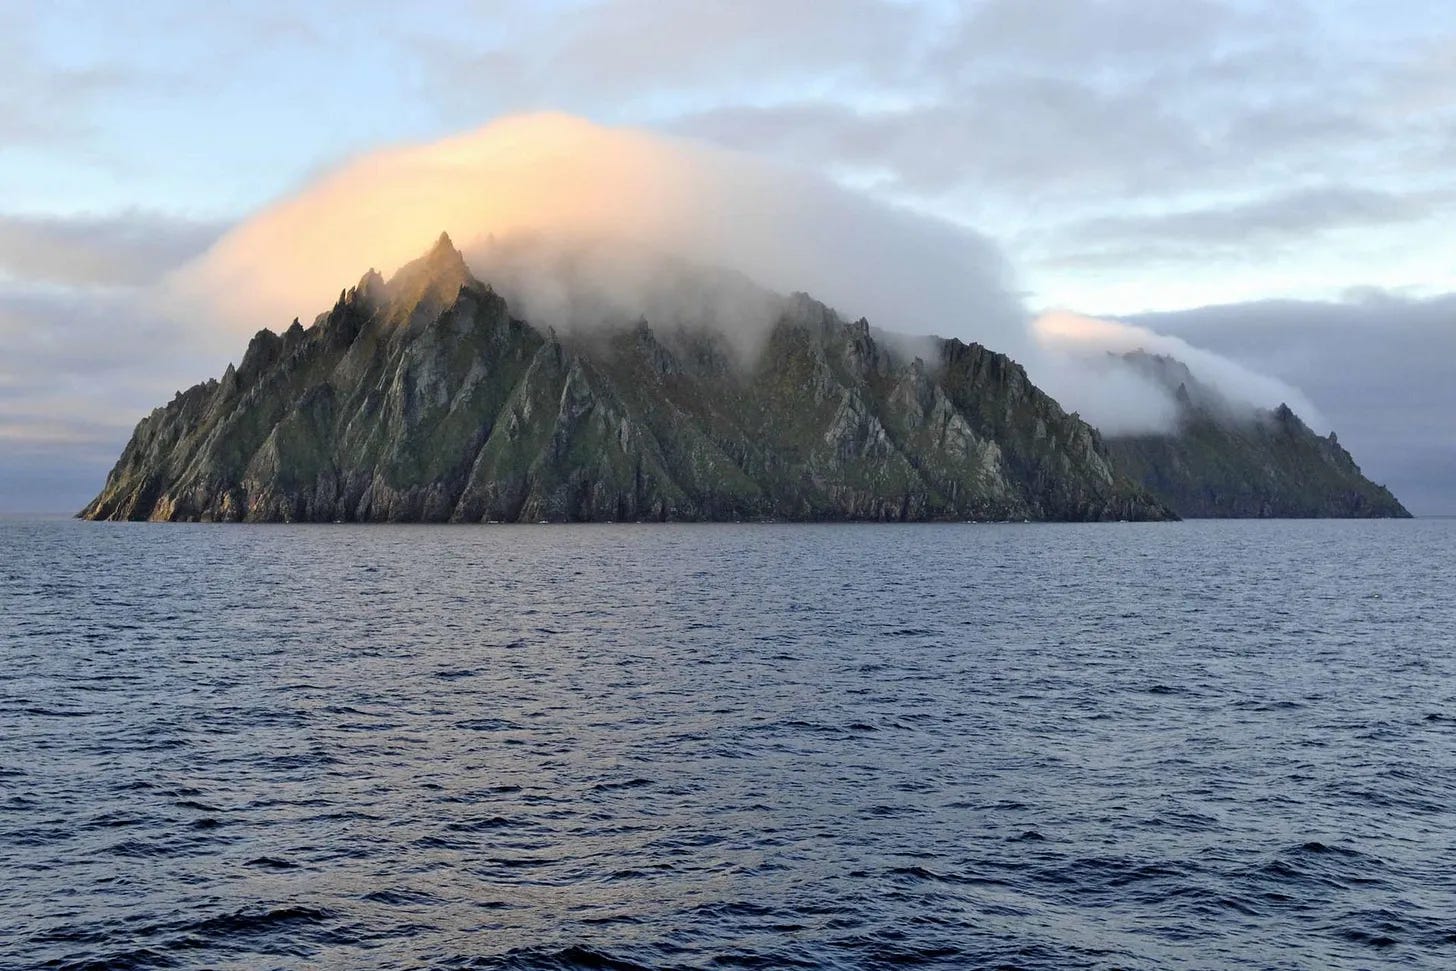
(587, 211)
(562, 178)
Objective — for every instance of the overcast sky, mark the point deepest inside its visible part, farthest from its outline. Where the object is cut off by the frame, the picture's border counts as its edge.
(1269, 179)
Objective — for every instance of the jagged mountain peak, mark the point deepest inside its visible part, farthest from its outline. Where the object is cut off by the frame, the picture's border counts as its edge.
(425, 398)
(440, 274)
(433, 406)
(1163, 367)
(371, 286)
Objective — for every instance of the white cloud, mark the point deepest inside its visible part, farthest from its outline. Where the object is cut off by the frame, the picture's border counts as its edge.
(566, 179)
(585, 212)
(1081, 366)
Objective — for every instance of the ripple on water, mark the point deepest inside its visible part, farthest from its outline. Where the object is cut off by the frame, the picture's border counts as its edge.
(1122, 746)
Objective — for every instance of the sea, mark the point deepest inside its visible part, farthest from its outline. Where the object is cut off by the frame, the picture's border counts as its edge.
(1114, 746)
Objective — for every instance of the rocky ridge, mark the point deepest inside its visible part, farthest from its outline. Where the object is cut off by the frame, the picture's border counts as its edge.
(423, 399)
(1224, 461)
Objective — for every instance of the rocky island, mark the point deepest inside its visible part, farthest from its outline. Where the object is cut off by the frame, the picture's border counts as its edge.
(423, 399)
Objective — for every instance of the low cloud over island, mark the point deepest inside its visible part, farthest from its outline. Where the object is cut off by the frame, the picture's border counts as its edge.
(619, 202)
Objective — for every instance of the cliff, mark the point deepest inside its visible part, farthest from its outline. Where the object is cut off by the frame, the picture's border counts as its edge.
(1224, 461)
(424, 399)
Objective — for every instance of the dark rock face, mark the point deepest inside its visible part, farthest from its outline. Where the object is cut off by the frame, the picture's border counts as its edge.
(424, 400)
(1222, 463)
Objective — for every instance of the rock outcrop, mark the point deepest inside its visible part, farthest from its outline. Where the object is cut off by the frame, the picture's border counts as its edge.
(424, 399)
(1224, 461)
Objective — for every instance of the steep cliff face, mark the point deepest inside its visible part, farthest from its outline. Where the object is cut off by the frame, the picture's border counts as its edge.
(1226, 462)
(423, 399)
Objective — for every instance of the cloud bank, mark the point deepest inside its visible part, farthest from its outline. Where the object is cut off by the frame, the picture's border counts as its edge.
(554, 177)
(570, 221)
(1080, 369)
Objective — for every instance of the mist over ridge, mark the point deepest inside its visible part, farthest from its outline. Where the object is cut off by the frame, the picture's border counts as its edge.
(577, 185)
(1081, 361)
(579, 224)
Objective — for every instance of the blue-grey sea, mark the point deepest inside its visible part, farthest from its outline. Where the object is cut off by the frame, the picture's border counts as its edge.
(1191, 745)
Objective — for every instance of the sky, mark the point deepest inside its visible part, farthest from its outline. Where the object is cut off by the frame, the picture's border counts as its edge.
(1269, 180)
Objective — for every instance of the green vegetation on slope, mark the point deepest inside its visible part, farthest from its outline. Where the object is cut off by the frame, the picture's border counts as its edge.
(1226, 462)
(423, 399)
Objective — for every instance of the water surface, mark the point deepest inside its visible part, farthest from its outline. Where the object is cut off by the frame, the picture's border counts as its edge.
(1192, 745)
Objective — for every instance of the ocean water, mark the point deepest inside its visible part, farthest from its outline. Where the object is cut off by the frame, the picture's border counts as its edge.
(1195, 745)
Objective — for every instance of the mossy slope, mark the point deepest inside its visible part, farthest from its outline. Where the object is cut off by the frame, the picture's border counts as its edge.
(423, 399)
(1227, 462)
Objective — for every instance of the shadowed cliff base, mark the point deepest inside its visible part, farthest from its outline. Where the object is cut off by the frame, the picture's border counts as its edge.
(424, 400)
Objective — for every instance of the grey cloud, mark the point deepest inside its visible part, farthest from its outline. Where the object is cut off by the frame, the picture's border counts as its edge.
(131, 249)
(1028, 138)
(625, 41)
(1037, 110)
(1382, 369)
(1110, 33)
(647, 52)
(50, 480)
(51, 333)
(1046, 136)
(78, 369)
(44, 104)
(1288, 215)
(27, 119)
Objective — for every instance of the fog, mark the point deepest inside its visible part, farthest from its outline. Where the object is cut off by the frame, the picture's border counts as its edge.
(608, 196)
(575, 223)
(1079, 366)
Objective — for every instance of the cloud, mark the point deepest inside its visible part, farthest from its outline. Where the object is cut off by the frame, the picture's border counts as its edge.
(1110, 146)
(1238, 223)
(84, 354)
(1118, 398)
(1235, 248)
(567, 179)
(571, 222)
(1105, 391)
(129, 249)
(621, 52)
(1106, 33)
(47, 101)
(1061, 98)
(1053, 137)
